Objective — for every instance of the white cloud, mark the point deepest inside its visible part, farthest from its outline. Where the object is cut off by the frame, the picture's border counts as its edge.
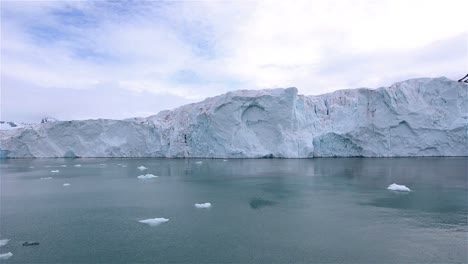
(101, 53)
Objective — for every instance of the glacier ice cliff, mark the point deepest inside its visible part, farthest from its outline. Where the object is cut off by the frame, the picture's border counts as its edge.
(417, 117)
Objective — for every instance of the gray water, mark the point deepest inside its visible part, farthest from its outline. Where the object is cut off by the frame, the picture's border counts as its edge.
(263, 211)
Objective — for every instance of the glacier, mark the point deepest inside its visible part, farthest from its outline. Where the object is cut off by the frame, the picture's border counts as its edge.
(416, 117)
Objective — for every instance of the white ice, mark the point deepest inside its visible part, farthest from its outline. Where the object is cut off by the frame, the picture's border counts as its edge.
(154, 221)
(66, 184)
(54, 171)
(397, 187)
(46, 178)
(203, 205)
(147, 176)
(142, 168)
(6, 255)
(63, 165)
(3, 242)
(199, 162)
(77, 165)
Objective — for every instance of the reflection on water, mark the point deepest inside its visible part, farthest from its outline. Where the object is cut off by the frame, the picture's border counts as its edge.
(258, 203)
(264, 211)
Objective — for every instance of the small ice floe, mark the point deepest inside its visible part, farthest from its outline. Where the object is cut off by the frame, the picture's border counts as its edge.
(397, 187)
(46, 178)
(224, 160)
(66, 184)
(147, 177)
(124, 166)
(199, 162)
(54, 171)
(3, 242)
(77, 165)
(63, 165)
(203, 205)
(118, 164)
(154, 221)
(6, 255)
(142, 168)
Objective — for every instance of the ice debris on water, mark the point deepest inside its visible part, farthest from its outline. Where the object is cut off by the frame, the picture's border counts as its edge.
(66, 184)
(147, 177)
(54, 171)
(397, 187)
(199, 162)
(203, 205)
(77, 165)
(46, 178)
(63, 165)
(142, 168)
(154, 221)
(6, 255)
(3, 242)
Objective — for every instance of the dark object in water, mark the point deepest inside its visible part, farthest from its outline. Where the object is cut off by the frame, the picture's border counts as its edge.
(31, 243)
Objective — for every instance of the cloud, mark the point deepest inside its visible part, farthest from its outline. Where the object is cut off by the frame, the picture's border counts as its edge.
(124, 59)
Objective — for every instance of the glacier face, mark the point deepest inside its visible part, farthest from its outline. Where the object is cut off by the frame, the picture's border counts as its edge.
(418, 117)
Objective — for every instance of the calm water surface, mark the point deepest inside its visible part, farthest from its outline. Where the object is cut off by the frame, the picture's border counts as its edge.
(264, 211)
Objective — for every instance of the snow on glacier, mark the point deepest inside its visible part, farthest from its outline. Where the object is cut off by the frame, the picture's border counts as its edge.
(397, 187)
(147, 177)
(203, 205)
(154, 221)
(417, 117)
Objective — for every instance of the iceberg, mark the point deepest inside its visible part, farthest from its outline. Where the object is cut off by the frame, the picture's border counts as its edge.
(417, 117)
(147, 176)
(203, 205)
(3, 242)
(142, 168)
(154, 221)
(46, 178)
(66, 184)
(397, 187)
(54, 171)
(6, 255)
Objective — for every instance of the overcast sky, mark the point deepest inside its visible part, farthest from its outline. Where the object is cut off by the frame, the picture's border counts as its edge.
(80, 60)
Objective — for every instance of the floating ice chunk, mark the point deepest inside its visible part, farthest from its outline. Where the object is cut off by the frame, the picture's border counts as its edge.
(3, 242)
(77, 165)
(6, 255)
(66, 184)
(63, 165)
(124, 166)
(397, 187)
(118, 164)
(147, 176)
(154, 221)
(46, 178)
(142, 168)
(54, 171)
(203, 205)
(224, 160)
(199, 162)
